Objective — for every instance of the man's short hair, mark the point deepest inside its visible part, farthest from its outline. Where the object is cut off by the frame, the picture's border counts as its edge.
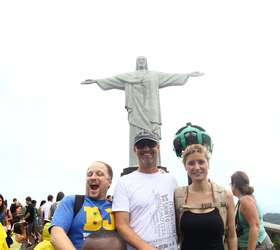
(59, 196)
(28, 198)
(109, 169)
(103, 235)
(50, 197)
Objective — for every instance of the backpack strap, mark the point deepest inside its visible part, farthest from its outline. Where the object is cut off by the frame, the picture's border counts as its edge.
(79, 200)
(220, 199)
(179, 200)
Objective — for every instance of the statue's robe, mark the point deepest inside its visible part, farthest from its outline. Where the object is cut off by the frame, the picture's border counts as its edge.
(142, 99)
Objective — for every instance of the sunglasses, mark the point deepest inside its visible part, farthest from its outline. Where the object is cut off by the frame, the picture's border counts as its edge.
(145, 143)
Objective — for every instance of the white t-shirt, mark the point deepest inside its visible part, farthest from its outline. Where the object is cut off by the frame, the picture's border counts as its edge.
(149, 200)
(46, 209)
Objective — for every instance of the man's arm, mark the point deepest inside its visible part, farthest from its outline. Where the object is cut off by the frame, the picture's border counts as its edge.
(122, 224)
(60, 240)
(26, 216)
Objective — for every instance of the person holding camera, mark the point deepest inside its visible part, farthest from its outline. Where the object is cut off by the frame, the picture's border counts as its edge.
(249, 221)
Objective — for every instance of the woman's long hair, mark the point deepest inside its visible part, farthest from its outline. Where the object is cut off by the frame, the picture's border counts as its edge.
(2, 207)
(240, 180)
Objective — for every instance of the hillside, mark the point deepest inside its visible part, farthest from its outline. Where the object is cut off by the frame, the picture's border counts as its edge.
(272, 218)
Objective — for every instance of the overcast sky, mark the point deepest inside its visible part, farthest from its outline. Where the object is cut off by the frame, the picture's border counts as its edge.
(52, 127)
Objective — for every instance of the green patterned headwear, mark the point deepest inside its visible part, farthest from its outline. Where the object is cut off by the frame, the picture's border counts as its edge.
(191, 134)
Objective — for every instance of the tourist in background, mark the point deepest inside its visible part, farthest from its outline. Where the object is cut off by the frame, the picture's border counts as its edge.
(249, 220)
(36, 222)
(29, 219)
(3, 235)
(13, 208)
(3, 211)
(45, 209)
(59, 197)
(41, 214)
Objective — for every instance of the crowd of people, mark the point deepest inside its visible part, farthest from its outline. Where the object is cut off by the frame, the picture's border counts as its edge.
(26, 221)
(148, 211)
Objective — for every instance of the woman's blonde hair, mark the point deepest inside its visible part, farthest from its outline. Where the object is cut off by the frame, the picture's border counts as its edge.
(195, 148)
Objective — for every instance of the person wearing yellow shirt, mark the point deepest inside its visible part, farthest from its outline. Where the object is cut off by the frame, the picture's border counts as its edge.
(45, 244)
(3, 235)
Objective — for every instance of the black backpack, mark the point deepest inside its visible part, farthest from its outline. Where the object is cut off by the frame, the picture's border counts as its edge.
(9, 239)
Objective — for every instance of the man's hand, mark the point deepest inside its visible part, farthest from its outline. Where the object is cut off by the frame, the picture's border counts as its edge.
(124, 229)
(196, 73)
(149, 247)
(89, 81)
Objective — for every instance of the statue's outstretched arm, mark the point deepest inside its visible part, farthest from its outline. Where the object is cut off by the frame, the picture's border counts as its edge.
(196, 73)
(107, 83)
(166, 79)
(89, 81)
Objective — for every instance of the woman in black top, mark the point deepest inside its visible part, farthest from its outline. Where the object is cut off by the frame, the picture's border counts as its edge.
(202, 227)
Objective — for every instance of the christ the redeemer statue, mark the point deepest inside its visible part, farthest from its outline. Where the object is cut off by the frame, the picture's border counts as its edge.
(142, 98)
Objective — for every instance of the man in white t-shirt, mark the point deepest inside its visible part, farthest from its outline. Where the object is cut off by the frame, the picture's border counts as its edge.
(46, 209)
(143, 201)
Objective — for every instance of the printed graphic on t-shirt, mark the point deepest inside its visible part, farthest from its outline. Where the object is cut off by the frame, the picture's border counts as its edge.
(94, 221)
(164, 223)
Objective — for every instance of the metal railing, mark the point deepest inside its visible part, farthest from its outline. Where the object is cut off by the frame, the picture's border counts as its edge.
(272, 228)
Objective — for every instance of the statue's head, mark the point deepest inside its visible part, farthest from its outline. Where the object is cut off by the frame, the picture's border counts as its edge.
(141, 63)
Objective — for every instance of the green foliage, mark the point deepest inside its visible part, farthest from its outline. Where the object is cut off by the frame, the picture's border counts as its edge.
(276, 241)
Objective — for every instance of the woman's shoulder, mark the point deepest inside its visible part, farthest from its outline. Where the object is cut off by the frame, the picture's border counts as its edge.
(222, 192)
(247, 199)
(180, 193)
(181, 187)
(220, 189)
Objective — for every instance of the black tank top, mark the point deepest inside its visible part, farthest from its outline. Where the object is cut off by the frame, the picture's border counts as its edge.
(202, 231)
